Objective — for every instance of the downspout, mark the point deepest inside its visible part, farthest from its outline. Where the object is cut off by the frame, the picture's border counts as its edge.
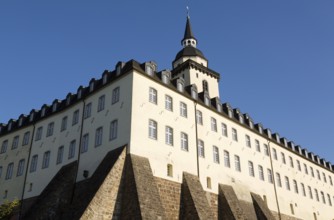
(274, 181)
(79, 150)
(26, 173)
(196, 133)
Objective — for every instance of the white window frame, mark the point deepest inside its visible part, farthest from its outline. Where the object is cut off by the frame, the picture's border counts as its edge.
(9, 172)
(46, 159)
(63, 124)
(60, 155)
(234, 134)
(50, 128)
(26, 138)
(184, 141)
(153, 95)
(113, 130)
(227, 162)
(85, 143)
(216, 157)
(183, 109)
(20, 167)
(98, 136)
(39, 133)
(71, 149)
(213, 124)
(101, 103)
(248, 141)
(4, 147)
(33, 164)
(169, 137)
(75, 118)
(15, 143)
(237, 163)
(201, 148)
(152, 129)
(261, 174)
(88, 110)
(115, 95)
(199, 117)
(224, 129)
(251, 168)
(168, 103)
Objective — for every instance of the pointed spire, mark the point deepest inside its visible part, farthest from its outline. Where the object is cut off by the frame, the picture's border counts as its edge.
(188, 39)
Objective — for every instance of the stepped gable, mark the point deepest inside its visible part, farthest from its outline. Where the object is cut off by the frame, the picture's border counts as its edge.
(194, 204)
(261, 208)
(228, 204)
(56, 197)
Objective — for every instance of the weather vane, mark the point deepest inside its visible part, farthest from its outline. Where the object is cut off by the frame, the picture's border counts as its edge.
(188, 12)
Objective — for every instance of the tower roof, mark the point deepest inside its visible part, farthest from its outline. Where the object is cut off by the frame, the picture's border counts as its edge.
(188, 34)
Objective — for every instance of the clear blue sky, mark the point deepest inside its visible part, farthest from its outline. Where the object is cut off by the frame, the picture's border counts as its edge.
(276, 58)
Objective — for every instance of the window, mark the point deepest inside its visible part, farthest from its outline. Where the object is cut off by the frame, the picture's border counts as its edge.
(283, 158)
(33, 164)
(274, 154)
(201, 151)
(98, 136)
(168, 103)
(234, 134)
(26, 137)
(152, 129)
(199, 117)
(85, 142)
(248, 141)
(63, 124)
(208, 183)
(278, 180)
(305, 168)
(39, 133)
(261, 175)
(115, 95)
(266, 149)
(20, 167)
(257, 145)
(316, 194)
(213, 124)
(227, 159)
(113, 129)
(9, 172)
(75, 118)
(270, 176)
(303, 189)
(153, 95)
(15, 143)
(60, 154)
(4, 147)
(169, 135)
(329, 199)
(224, 130)
(183, 109)
(323, 197)
(312, 171)
(298, 165)
(324, 177)
(287, 183)
(71, 150)
(216, 154)
(251, 168)
(291, 208)
(205, 86)
(46, 160)
(291, 161)
(100, 104)
(184, 141)
(88, 110)
(318, 174)
(237, 163)
(330, 180)
(295, 186)
(170, 170)
(310, 192)
(49, 131)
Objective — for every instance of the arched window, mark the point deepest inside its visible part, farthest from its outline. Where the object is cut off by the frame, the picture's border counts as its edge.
(205, 86)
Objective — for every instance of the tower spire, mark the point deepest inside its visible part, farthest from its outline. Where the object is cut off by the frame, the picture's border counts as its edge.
(188, 39)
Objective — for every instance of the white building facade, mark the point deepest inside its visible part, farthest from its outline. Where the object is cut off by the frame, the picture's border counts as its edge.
(173, 118)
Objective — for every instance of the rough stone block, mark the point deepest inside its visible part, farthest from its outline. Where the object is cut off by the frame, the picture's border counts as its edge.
(261, 209)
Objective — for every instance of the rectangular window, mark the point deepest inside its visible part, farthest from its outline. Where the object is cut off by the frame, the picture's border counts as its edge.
(312, 171)
(71, 150)
(26, 137)
(305, 169)
(287, 183)
(283, 158)
(215, 154)
(310, 192)
(324, 177)
(303, 189)
(248, 141)
(316, 194)
(49, 130)
(199, 117)
(201, 152)
(169, 135)
(227, 159)
(213, 124)
(60, 154)
(9, 172)
(251, 168)
(184, 141)
(291, 162)
(75, 118)
(270, 176)
(318, 174)
(63, 124)
(274, 154)
(85, 142)
(113, 130)
(183, 109)
(15, 143)
(168, 103)
(33, 164)
(298, 165)
(234, 134)
(278, 180)
(4, 147)
(98, 136)
(39, 133)
(115, 95)
(46, 160)
(20, 168)
(101, 102)
(295, 186)
(266, 149)
(257, 145)
(237, 163)
(330, 180)
(153, 95)
(152, 129)
(329, 199)
(88, 110)
(261, 174)
(323, 197)
(224, 129)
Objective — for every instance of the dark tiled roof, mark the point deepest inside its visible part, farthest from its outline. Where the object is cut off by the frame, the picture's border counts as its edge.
(189, 51)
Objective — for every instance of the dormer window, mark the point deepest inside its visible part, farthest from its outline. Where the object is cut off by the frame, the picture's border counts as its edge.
(31, 118)
(207, 100)
(118, 70)
(194, 93)
(205, 86)
(91, 86)
(105, 78)
(241, 119)
(68, 100)
(219, 107)
(10, 126)
(165, 77)
(230, 114)
(20, 121)
(43, 112)
(180, 85)
(149, 70)
(79, 93)
(54, 107)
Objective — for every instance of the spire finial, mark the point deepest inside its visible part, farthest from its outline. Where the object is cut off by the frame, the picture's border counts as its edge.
(188, 16)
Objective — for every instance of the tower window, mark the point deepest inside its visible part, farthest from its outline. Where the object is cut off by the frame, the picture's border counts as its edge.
(205, 86)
